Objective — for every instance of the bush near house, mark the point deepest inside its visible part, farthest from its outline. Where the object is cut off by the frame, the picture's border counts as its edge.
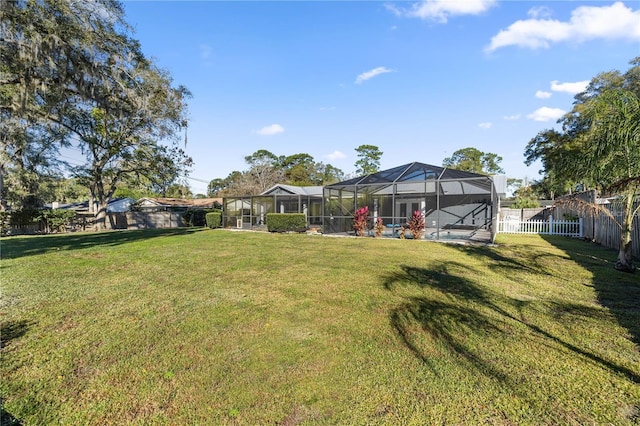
(286, 222)
(24, 217)
(4, 223)
(56, 220)
(214, 219)
(197, 217)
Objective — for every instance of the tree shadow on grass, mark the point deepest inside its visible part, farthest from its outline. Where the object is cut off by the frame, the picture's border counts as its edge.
(6, 418)
(526, 260)
(16, 247)
(12, 330)
(443, 321)
(617, 291)
(459, 307)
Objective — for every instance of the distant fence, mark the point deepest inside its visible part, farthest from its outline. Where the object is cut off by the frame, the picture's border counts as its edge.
(601, 228)
(133, 220)
(152, 220)
(86, 222)
(536, 213)
(569, 228)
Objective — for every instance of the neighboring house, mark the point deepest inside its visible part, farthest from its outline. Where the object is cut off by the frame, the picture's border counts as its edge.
(116, 205)
(175, 204)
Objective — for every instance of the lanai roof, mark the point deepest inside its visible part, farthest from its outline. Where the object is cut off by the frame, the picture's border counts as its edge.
(409, 172)
(410, 176)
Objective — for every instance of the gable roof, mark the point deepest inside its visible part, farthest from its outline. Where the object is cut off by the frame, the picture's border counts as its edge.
(282, 189)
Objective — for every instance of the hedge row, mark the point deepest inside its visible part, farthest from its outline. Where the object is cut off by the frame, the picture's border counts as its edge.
(286, 222)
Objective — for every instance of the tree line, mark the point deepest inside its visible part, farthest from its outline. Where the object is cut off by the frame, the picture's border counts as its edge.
(266, 169)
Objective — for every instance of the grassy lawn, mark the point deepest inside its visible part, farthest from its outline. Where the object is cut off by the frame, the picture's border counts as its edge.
(220, 327)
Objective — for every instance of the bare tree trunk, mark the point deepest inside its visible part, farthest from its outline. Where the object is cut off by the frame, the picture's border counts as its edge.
(101, 215)
(625, 256)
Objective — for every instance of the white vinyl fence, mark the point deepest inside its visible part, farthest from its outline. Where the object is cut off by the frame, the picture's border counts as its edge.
(513, 225)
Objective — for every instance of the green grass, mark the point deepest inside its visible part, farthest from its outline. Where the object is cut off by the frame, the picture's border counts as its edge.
(220, 327)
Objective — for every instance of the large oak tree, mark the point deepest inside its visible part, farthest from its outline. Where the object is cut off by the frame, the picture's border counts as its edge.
(73, 69)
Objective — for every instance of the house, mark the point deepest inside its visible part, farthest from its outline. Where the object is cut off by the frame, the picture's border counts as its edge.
(454, 203)
(148, 204)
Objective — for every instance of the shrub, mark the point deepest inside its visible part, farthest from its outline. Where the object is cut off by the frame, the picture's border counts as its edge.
(197, 217)
(214, 219)
(525, 203)
(360, 221)
(4, 223)
(416, 225)
(24, 217)
(57, 220)
(286, 222)
(378, 227)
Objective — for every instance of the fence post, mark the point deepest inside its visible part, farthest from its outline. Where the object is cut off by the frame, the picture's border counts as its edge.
(581, 227)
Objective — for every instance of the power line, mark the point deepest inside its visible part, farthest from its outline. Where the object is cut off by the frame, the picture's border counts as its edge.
(198, 180)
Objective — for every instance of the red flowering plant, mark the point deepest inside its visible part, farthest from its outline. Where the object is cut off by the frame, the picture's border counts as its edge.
(360, 221)
(416, 225)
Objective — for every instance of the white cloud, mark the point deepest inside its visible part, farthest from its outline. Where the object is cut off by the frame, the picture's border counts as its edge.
(336, 155)
(512, 117)
(546, 114)
(539, 12)
(540, 94)
(273, 129)
(441, 10)
(485, 125)
(372, 73)
(614, 22)
(570, 88)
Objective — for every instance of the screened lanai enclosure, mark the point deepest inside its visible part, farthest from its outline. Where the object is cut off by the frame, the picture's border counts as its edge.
(455, 204)
(250, 212)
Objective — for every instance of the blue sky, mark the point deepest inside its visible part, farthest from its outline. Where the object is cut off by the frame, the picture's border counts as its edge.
(417, 79)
